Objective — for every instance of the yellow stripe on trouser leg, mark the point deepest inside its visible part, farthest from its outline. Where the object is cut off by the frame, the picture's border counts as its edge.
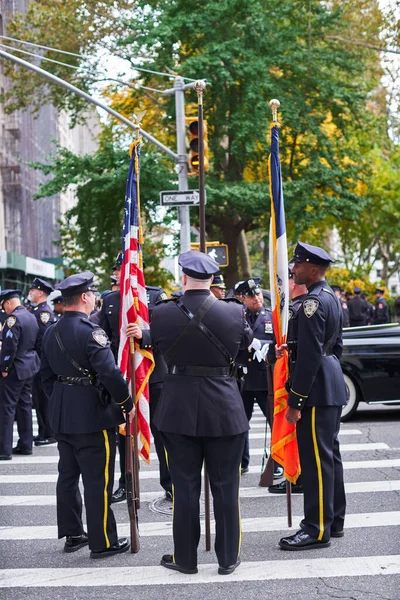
(240, 517)
(319, 472)
(106, 481)
(173, 496)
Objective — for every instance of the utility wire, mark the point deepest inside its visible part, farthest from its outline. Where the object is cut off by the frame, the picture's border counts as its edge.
(128, 84)
(170, 75)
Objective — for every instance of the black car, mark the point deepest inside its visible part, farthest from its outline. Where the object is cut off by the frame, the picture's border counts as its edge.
(371, 365)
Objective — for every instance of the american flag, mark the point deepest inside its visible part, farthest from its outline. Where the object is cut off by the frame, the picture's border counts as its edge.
(283, 443)
(134, 302)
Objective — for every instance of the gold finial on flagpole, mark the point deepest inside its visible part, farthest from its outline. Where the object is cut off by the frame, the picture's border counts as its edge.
(138, 122)
(275, 104)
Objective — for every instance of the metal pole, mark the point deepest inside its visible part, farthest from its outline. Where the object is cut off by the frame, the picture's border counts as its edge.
(200, 86)
(184, 211)
(90, 99)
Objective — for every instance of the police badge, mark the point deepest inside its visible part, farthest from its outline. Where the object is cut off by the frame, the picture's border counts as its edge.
(45, 317)
(310, 307)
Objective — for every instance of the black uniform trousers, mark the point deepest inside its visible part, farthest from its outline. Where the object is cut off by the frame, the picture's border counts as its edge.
(41, 404)
(249, 398)
(91, 455)
(165, 477)
(321, 470)
(222, 456)
(15, 403)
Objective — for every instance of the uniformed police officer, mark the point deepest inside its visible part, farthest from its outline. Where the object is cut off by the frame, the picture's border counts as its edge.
(343, 303)
(201, 414)
(59, 307)
(38, 293)
(19, 364)
(358, 309)
(297, 294)
(87, 395)
(381, 313)
(255, 388)
(317, 394)
(218, 287)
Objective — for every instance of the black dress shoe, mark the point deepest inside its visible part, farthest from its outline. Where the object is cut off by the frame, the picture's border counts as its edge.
(45, 442)
(168, 496)
(335, 533)
(75, 542)
(280, 488)
(244, 470)
(5, 457)
(168, 563)
(119, 495)
(228, 570)
(36, 438)
(278, 472)
(302, 541)
(17, 450)
(119, 547)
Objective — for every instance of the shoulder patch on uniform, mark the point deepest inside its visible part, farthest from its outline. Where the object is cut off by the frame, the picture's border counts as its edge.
(163, 296)
(310, 307)
(290, 313)
(11, 321)
(45, 317)
(100, 337)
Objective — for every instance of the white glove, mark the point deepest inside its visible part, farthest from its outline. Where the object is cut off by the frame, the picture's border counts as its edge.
(264, 351)
(255, 345)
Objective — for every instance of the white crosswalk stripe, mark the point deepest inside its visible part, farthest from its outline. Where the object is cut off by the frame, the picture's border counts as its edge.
(363, 519)
(354, 566)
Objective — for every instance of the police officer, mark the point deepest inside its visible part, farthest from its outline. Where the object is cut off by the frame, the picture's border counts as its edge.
(317, 394)
(38, 293)
(297, 293)
(339, 294)
(255, 388)
(19, 364)
(201, 414)
(382, 313)
(218, 287)
(59, 307)
(87, 395)
(358, 309)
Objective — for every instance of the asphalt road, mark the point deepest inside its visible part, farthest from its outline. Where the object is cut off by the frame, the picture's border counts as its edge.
(365, 564)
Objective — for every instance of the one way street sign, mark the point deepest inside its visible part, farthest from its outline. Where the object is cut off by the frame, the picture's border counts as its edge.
(180, 198)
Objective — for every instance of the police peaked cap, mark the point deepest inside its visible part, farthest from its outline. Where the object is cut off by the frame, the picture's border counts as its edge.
(198, 265)
(249, 287)
(357, 290)
(218, 281)
(8, 294)
(118, 261)
(77, 284)
(41, 284)
(311, 254)
(58, 300)
(379, 291)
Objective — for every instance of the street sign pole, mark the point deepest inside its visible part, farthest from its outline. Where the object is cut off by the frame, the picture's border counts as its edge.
(184, 215)
(200, 86)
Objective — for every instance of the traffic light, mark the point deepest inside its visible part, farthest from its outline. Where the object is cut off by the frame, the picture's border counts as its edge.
(192, 124)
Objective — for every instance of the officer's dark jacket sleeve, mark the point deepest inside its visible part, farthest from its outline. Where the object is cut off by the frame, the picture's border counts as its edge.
(248, 335)
(10, 342)
(103, 363)
(270, 358)
(311, 339)
(102, 321)
(47, 374)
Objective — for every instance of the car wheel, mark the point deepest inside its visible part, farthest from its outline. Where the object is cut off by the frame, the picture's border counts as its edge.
(352, 394)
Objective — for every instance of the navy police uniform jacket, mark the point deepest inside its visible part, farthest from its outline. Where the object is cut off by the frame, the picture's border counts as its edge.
(75, 409)
(108, 319)
(18, 354)
(200, 405)
(261, 325)
(316, 376)
(45, 317)
(154, 294)
(381, 313)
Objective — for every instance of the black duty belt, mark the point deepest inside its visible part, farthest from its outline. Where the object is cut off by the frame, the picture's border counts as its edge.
(74, 380)
(194, 371)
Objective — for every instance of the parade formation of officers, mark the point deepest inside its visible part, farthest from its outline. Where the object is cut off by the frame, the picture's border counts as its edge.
(211, 359)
